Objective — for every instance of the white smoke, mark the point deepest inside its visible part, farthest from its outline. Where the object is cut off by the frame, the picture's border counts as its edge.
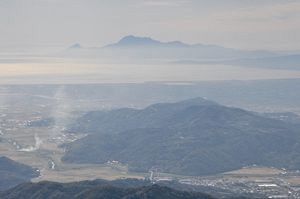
(38, 143)
(61, 112)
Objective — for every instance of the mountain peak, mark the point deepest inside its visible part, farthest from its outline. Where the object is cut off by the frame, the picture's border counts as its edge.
(134, 40)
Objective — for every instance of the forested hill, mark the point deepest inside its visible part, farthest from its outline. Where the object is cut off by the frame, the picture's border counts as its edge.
(191, 137)
(97, 190)
(13, 173)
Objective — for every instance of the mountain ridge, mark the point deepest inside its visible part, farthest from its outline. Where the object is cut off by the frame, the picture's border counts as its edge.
(189, 138)
(135, 41)
(98, 189)
(134, 48)
(13, 173)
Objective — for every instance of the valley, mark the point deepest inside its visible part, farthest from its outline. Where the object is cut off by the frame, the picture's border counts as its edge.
(34, 122)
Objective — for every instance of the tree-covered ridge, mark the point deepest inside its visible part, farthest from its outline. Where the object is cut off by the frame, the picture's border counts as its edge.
(191, 137)
(13, 173)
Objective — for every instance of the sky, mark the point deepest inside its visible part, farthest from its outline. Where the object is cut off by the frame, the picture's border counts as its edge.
(243, 24)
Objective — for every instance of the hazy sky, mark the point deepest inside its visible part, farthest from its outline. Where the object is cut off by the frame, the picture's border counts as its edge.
(250, 24)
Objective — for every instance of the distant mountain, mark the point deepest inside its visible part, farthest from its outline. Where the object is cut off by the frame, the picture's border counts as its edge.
(192, 137)
(133, 41)
(148, 48)
(134, 49)
(13, 173)
(97, 189)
